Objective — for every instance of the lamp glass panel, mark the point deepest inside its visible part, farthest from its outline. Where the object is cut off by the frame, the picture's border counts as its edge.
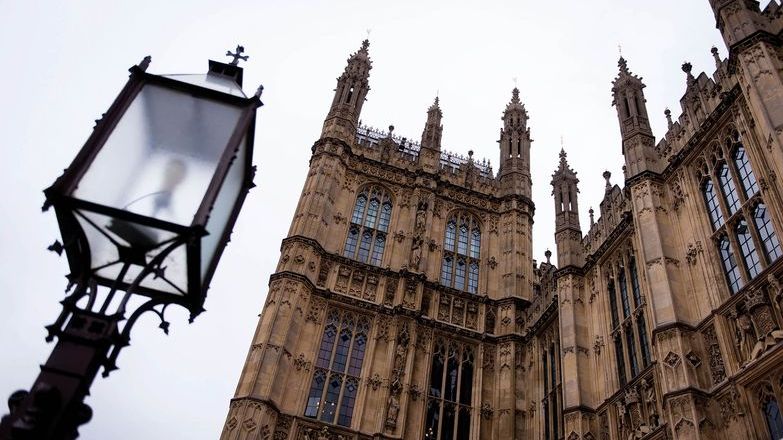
(224, 205)
(107, 248)
(159, 159)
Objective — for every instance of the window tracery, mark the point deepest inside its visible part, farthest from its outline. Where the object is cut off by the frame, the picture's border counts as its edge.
(369, 226)
(450, 391)
(461, 251)
(738, 217)
(338, 366)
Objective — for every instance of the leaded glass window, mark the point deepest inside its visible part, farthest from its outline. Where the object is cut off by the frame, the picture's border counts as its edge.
(369, 226)
(450, 391)
(624, 292)
(730, 265)
(618, 351)
(728, 188)
(613, 304)
(629, 341)
(641, 327)
(713, 207)
(749, 254)
(637, 294)
(338, 366)
(766, 232)
(773, 418)
(461, 251)
(745, 172)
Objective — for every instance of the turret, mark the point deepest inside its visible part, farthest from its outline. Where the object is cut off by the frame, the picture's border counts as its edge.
(638, 140)
(738, 19)
(349, 96)
(514, 173)
(568, 233)
(429, 156)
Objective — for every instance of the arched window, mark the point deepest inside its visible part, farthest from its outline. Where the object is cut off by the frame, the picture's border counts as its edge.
(729, 190)
(748, 248)
(623, 291)
(338, 366)
(729, 265)
(369, 226)
(450, 392)
(637, 294)
(618, 351)
(773, 418)
(711, 198)
(613, 303)
(744, 170)
(461, 250)
(641, 327)
(766, 232)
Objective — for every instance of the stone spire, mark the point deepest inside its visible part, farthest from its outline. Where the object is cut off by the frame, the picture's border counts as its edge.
(433, 129)
(568, 233)
(349, 96)
(515, 148)
(638, 141)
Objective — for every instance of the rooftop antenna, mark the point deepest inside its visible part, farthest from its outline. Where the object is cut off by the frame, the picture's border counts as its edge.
(620, 49)
(515, 81)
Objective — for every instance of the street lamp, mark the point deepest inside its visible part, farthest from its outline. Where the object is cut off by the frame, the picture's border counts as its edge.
(144, 209)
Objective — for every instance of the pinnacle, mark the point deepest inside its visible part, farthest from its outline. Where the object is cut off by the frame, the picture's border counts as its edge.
(365, 45)
(515, 96)
(435, 105)
(623, 65)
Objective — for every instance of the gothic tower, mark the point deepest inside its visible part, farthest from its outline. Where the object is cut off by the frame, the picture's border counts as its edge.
(397, 307)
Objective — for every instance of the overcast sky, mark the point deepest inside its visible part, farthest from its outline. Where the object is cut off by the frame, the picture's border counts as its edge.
(64, 62)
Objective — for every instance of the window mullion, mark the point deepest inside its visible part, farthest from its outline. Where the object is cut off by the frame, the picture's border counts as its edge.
(761, 250)
(739, 255)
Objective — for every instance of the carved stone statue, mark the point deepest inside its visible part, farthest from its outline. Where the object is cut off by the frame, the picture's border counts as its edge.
(767, 329)
(416, 252)
(746, 338)
(394, 410)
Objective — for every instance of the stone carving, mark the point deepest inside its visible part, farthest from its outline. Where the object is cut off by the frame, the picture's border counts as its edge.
(767, 331)
(717, 368)
(598, 345)
(486, 411)
(488, 360)
(415, 392)
(693, 359)
(391, 291)
(300, 363)
(323, 272)
(315, 312)
(409, 297)
(374, 381)
(418, 235)
(694, 249)
(398, 371)
(492, 263)
(672, 359)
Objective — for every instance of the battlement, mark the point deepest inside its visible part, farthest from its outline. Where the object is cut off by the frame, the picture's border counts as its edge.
(452, 165)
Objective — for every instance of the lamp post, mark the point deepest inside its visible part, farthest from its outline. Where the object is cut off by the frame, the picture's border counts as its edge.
(145, 210)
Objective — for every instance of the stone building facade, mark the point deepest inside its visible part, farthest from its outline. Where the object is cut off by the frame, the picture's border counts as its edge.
(407, 305)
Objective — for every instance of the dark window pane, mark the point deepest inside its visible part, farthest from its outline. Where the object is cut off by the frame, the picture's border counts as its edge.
(643, 341)
(448, 421)
(372, 213)
(637, 294)
(332, 394)
(432, 422)
(462, 244)
(748, 248)
(316, 390)
(436, 373)
(613, 304)
(351, 240)
(618, 350)
(473, 277)
(459, 275)
(463, 424)
(364, 247)
(774, 420)
(346, 406)
(341, 354)
(466, 377)
(452, 365)
(624, 292)
(451, 229)
(358, 209)
(730, 265)
(383, 225)
(745, 172)
(766, 232)
(327, 343)
(711, 198)
(446, 271)
(630, 343)
(729, 190)
(377, 250)
(357, 354)
(475, 243)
